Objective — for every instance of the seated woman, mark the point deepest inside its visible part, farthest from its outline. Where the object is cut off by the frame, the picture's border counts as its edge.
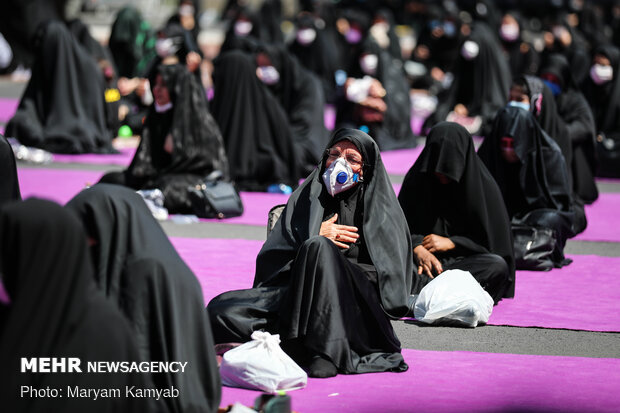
(456, 214)
(258, 137)
(481, 82)
(139, 270)
(181, 143)
(376, 95)
(334, 269)
(9, 186)
(63, 107)
(530, 171)
(602, 90)
(55, 310)
(575, 111)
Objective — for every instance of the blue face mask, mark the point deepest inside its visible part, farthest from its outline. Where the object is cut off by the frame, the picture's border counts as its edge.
(521, 105)
(555, 88)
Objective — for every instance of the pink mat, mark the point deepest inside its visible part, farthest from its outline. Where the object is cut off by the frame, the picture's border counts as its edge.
(61, 185)
(603, 219)
(399, 162)
(330, 116)
(464, 382)
(582, 296)
(219, 264)
(256, 206)
(123, 158)
(8, 107)
(55, 184)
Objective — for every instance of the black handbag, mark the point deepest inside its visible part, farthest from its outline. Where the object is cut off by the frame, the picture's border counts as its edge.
(215, 197)
(533, 247)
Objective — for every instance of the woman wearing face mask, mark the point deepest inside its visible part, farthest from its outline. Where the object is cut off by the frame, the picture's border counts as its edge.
(257, 136)
(180, 143)
(334, 269)
(312, 49)
(376, 96)
(602, 90)
(522, 57)
(532, 176)
(574, 110)
(480, 85)
(456, 214)
(300, 95)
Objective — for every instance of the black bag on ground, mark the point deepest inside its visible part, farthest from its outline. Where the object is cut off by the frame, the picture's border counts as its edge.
(215, 197)
(533, 247)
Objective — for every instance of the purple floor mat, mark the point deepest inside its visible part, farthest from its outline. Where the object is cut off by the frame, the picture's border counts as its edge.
(398, 162)
(123, 158)
(603, 219)
(464, 382)
(584, 295)
(61, 185)
(55, 184)
(8, 107)
(219, 264)
(256, 206)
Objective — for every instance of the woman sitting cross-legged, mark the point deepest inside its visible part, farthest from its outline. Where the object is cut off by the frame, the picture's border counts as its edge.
(333, 271)
(456, 214)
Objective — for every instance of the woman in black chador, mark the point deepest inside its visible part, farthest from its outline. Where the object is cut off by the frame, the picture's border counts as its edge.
(140, 271)
(56, 310)
(259, 140)
(456, 214)
(529, 169)
(481, 80)
(334, 270)
(9, 187)
(574, 110)
(602, 90)
(63, 106)
(180, 144)
(376, 95)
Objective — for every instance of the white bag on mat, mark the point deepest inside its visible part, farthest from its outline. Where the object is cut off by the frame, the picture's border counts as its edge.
(454, 297)
(261, 364)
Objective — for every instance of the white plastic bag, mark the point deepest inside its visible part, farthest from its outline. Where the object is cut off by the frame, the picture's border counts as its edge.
(454, 297)
(261, 364)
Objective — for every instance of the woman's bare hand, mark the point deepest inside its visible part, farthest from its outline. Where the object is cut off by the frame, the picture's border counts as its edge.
(338, 234)
(436, 243)
(427, 262)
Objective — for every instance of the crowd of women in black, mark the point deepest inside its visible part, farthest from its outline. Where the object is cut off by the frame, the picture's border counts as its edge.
(538, 82)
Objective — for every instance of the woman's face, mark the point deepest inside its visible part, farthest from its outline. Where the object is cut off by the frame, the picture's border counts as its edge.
(507, 148)
(348, 151)
(160, 92)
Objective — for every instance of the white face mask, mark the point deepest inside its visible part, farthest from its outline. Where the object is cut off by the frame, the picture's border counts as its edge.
(163, 108)
(306, 36)
(268, 74)
(243, 28)
(369, 64)
(339, 177)
(601, 74)
(509, 32)
(470, 50)
(165, 47)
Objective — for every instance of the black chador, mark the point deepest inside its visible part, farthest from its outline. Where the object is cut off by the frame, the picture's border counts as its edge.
(468, 209)
(325, 301)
